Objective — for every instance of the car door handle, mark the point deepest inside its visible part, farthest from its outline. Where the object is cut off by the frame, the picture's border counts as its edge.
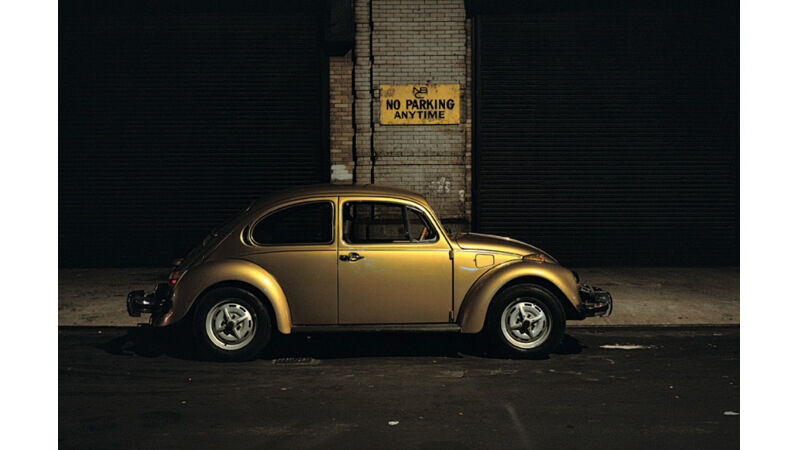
(352, 257)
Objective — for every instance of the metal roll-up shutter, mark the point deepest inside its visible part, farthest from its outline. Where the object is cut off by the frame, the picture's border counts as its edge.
(607, 132)
(175, 115)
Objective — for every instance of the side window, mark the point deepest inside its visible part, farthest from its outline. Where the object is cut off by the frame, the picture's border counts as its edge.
(376, 223)
(307, 223)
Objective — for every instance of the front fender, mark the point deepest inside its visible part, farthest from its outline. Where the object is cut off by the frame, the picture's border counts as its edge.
(199, 278)
(472, 314)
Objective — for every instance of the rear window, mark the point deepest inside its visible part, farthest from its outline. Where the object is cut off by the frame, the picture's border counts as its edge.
(306, 223)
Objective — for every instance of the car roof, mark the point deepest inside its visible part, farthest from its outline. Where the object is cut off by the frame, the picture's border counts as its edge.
(339, 190)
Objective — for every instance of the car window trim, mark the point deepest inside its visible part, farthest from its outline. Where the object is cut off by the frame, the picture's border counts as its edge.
(255, 223)
(383, 244)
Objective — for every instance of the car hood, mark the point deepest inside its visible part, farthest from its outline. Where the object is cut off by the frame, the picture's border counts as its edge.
(491, 243)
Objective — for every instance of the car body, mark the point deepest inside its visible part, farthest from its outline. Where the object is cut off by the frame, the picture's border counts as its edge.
(339, 258)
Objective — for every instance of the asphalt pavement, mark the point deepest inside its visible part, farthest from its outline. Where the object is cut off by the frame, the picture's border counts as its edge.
(614, 387)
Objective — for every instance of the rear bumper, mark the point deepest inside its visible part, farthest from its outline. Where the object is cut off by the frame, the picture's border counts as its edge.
(595, 302)
(156, 302)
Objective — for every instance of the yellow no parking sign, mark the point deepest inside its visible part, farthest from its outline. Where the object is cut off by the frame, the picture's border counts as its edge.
(420, 104)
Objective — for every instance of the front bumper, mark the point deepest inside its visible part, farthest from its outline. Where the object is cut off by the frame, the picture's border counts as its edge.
(153, 303)
(595, 302)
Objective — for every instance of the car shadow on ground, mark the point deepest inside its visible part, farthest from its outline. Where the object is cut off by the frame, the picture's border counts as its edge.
(146, 341)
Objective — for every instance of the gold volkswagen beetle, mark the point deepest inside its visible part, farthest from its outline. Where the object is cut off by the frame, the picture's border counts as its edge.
(357, 258)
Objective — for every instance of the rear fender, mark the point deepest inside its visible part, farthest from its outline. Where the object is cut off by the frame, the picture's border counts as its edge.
(199, 278)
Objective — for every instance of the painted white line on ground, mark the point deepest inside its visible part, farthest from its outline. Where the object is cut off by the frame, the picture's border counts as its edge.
(523, 435)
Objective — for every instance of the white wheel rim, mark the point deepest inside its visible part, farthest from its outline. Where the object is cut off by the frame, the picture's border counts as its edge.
(525, 324)
(229, 325)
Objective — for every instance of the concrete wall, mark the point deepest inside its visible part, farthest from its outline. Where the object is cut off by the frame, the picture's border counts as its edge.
(404, 42)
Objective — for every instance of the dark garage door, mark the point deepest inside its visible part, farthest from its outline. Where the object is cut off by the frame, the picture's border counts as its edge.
(607, 132)
(175, 115)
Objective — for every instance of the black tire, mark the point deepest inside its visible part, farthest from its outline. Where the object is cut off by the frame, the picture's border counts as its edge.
(259, 322)
(536, 299)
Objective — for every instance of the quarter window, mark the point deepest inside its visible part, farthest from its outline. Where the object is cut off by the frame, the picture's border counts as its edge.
(307, 223)
(419, 227)
(376, 222)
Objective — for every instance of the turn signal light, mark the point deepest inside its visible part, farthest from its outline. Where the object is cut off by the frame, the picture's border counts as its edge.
(174, 276)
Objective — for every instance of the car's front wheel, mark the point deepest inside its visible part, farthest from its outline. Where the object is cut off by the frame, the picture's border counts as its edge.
(232, 324)
(527, 320)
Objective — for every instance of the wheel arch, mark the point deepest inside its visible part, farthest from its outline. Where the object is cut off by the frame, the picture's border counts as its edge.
(569, 309)
(476, 304)
(241, 285)
(229, 272)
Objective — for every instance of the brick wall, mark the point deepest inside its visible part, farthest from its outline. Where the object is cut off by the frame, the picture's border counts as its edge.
(341, 118)
(404, 42)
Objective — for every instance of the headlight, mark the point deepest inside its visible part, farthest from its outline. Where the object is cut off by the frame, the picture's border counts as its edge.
(539, 257)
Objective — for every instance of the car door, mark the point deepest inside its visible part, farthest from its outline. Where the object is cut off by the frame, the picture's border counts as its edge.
(394, 264)
(296, 243)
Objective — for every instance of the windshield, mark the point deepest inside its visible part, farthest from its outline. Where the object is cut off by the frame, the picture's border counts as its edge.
(447, 230)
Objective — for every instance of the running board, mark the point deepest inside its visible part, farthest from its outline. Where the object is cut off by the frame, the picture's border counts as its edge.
(395, 328)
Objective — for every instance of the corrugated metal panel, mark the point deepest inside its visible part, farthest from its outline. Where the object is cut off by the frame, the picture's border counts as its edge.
(609, 135)
(172, 120)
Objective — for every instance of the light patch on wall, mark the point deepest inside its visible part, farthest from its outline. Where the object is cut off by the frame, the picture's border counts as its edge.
(339, 172)
(441, 185)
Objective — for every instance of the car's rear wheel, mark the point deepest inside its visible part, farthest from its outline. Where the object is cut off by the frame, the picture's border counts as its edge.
(232, 324)
(527, 320)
